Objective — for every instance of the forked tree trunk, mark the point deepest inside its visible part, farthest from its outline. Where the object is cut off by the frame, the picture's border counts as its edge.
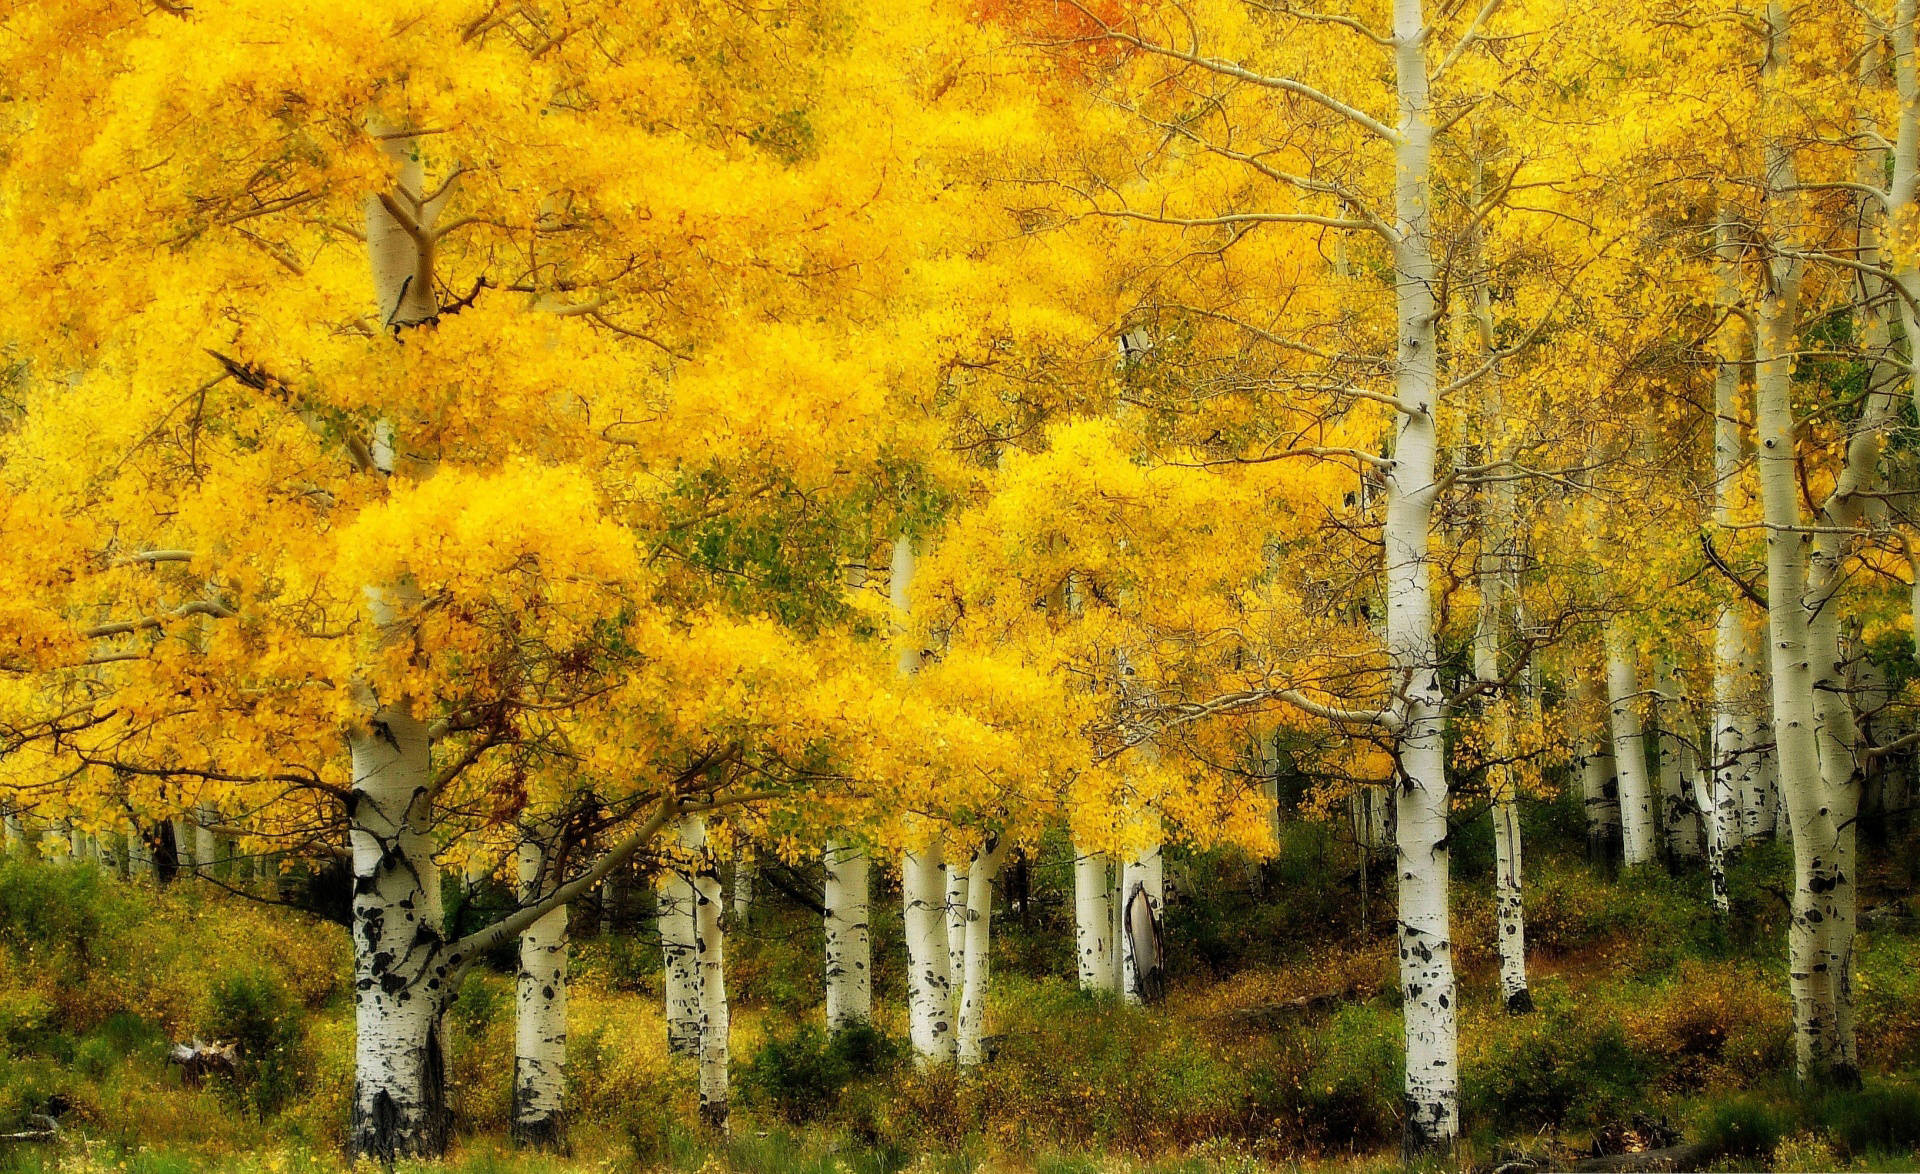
(402, 978)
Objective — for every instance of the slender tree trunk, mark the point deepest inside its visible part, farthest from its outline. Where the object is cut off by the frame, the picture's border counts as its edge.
(184, 862)
(1432, 1111)
(679, 949)
(1143, 877)
(540, 1022)
(1795, 726)
(1852, 503)
(1679, 817)
(929, 969)
(1093, 921)
(1731, 759)
(715, 1021)
(1903, 202)
(849, 951)
(1599, 786)
(1498, 575)
(1760, 810)
(956, 939)
(206, 842)
(743, 875)
(1639, 844)
(139, 854)
(969, 1048)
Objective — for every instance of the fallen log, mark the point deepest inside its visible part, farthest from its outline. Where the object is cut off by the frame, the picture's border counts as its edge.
(45, 1128)
(199, 1060)
(1271, 1014)
(1687, 1155)
(1893, 918)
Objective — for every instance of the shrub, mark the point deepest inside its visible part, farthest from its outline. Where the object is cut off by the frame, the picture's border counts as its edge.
(254, 1011)
(1352, 1092)
(1804, 1151)
(802, 1076)
(1561, 1066)
(1883, 1117)
(1745, 1126)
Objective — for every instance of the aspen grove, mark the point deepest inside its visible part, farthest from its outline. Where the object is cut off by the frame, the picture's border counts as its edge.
(981, 582)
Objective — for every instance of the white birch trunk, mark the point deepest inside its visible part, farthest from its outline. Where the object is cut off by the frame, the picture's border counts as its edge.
(849, 950)
(139, 854)
(399, 1105)
(1498, 575)
(969, 1048)
(1599, 786)
(744, 869)
(929, 969)
(1732, 761)
(715, 1022)
(1432, 1110)
(1143, 877)
(956, 938)
(1760, 811)
(206, 842)
(540, 1019)
(1638, 843)
(401, 976)
(1678, 816)
(1795, 726)
(679, 948)
(1731, 766)
(1093, 921)
(183, 849)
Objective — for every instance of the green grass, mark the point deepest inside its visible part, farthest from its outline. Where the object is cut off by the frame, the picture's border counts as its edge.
(1645, 1002)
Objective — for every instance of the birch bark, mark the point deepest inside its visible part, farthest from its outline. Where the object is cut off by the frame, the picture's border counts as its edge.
(540, 1022)
(969, 1050)
(848, 947)
(1637, 828)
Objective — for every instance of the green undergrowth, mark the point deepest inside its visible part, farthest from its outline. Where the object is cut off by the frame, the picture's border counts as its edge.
(1279, 1047)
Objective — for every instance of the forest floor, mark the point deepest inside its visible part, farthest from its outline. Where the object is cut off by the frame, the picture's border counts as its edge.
(1277, 1049)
